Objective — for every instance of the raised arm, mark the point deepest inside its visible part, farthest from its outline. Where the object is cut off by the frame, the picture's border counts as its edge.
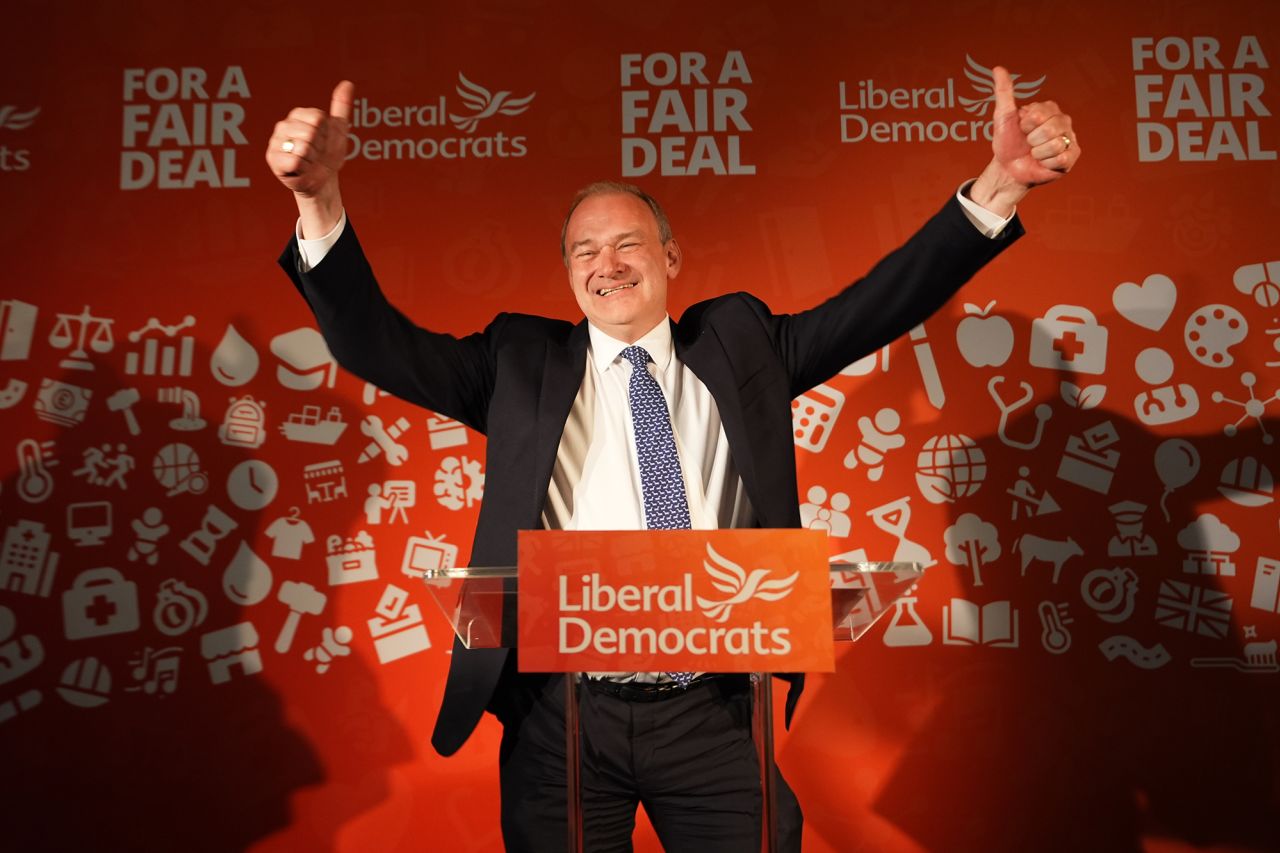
(306, 151)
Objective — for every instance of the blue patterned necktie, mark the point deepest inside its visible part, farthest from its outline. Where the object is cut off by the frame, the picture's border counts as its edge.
(665, 504)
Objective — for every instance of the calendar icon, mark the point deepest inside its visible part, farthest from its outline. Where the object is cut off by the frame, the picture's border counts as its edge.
(26, 565)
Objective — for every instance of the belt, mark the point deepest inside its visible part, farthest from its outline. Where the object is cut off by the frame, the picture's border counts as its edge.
(631, 691)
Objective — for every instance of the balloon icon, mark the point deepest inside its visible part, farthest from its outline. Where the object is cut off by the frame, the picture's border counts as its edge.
(1177, 464)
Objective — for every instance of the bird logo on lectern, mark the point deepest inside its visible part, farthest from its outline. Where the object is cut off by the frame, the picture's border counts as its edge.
(11, 119)
(984, 82)
(730, 578)
(485, 104)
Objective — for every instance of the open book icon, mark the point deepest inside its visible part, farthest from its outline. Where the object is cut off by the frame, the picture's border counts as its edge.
(995, 624)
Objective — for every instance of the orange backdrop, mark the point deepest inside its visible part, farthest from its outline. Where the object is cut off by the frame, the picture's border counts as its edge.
(1082, 442)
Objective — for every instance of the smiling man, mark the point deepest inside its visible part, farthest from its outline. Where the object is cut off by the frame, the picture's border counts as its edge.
(629, 420)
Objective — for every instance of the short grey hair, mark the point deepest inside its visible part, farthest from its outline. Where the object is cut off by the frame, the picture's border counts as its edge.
(608, 188)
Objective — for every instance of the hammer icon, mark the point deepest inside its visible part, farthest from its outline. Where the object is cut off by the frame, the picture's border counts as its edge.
(300, 598)
(122, 401)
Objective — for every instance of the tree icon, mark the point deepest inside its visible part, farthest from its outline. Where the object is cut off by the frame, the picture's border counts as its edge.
(972, 542)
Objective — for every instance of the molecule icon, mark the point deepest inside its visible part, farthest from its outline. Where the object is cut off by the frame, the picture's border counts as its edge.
(1253, 407)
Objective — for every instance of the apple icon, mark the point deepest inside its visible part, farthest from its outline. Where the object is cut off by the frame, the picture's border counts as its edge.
(984, 340)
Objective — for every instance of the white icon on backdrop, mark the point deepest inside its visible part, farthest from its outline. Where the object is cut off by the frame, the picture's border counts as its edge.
(879, 437)
(1068, 337)
(160, 355)
(1121, 646)
(994, 624)
(427, 553)
(201, 543)
(325, 481)
(310, 427)
(894, 518)
(334, 643)
(972, 542)
(307, 363)
(1177, 462)
(1273, 333)
(383, 440)
(820, 512)
(1110, 593)
(26, 563)
(24, 701)
(1163, 403)
(351, 559)
(247, 578)
(370, 393)
(252, 484)
(1055, 552)
(1028, 502)
(302, 599)
(1210, 333)
(445, 432)
(1042, 412)
(867, 363)
(984, 339)
(234, 361)
(950, 467)
(394, 497)
(179, 608)
(80, 333)
(1261, 281)
(459, 483)
(155, 671)
(62, 403)
(1130, 540)
(1088, 397)
(85, 683)
(1149, 304)
(89, 522)
(244, 424)
(397, 629)
(35, 458)
(906, 628)
(1266, 585)
(148, 531)
(1209, 544)
(11, 393)
(813, 416)
(100, 602)
(189, 420)
(485, 104)
(1054, 619)
(1195, 609)
(288, 534)
(1256, 657)
(1246, 481)
(122, 401)
(230, 649)
(18, 654)
(929, 375)
(1090, 460)
(17, 329)
(1253, 407)
(101, 467)
(177, 467)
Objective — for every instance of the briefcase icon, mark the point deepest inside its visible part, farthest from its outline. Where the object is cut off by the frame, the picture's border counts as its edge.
(100, 602)
(1068, 337)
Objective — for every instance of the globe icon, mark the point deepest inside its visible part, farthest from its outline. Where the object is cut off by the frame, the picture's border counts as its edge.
(950, 467)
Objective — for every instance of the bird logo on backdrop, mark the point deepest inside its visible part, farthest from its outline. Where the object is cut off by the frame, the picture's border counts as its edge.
(731, 579)
(486, 104)
(11, 119)
(983, 80)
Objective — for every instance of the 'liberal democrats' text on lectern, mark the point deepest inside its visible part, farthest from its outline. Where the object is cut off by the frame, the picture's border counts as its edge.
(697, 601)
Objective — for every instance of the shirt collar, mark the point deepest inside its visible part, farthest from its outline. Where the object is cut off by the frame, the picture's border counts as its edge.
(605, 350)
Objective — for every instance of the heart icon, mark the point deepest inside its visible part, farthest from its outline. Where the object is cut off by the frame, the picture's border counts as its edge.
(1148, 304)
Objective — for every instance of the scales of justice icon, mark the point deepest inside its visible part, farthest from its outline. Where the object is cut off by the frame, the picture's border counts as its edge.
(96, 329)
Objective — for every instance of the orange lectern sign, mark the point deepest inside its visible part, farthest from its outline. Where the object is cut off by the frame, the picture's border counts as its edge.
(658, 600)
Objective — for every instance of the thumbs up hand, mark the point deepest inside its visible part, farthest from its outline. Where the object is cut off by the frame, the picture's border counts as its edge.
(306, 151)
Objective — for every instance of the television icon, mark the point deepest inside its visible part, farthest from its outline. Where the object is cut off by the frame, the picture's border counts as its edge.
(89, 523)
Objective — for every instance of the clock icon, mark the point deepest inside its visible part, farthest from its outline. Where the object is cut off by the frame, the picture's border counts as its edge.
(252, 484)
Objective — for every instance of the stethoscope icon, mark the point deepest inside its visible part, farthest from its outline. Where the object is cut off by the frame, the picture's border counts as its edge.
(1042, 412)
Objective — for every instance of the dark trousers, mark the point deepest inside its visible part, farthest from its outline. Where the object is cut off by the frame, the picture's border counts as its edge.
(688, 759)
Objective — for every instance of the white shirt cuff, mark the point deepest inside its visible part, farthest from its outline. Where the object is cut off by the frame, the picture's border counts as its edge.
(984, 220)
(312, 252)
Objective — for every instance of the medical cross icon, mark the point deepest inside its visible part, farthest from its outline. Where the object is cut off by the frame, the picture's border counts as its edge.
(1068, 346)
(101, 610)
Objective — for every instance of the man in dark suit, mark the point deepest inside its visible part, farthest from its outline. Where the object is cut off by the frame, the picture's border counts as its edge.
(556, 402)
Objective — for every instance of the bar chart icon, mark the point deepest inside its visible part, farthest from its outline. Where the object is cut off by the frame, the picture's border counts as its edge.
(167, 353)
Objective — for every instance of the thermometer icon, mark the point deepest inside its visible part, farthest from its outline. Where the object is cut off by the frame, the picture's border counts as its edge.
(1054, 620)
(35, 484)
